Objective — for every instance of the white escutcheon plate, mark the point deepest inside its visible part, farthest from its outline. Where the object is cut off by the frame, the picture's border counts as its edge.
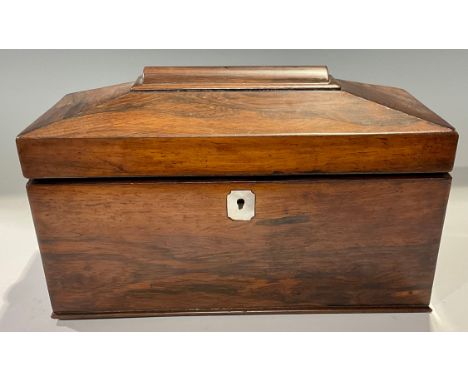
(241, 205)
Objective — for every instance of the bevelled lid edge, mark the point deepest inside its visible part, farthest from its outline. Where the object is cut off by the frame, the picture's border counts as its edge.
(394, 98)
(77, 103)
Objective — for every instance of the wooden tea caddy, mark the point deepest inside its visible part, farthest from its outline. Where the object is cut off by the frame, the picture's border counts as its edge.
(207, 190)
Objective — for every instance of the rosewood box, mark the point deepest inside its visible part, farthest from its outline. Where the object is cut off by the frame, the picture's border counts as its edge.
(208, 190)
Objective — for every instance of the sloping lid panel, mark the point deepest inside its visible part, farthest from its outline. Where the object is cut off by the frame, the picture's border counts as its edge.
(124, 131)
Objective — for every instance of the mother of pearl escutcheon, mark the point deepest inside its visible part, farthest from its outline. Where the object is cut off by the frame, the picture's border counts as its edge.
(241, 205)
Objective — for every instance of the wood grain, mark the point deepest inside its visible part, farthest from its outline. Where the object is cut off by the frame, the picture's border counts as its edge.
(235, 77)
(237, 156)
(76, 104)
(116, 132)
(394, 98)
(149, 247)
(231, 114)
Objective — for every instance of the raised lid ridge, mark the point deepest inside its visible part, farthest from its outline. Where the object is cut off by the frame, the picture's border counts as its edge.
(234, 78)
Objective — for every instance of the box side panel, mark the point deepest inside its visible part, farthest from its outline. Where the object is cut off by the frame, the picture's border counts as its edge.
(169, 247)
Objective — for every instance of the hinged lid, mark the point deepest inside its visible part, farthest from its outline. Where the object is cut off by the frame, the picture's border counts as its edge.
(228, 121)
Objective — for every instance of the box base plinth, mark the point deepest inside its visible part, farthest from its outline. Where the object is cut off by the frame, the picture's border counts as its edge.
(318, 310)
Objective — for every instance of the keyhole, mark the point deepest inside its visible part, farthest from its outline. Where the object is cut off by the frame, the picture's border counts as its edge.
(240, 203)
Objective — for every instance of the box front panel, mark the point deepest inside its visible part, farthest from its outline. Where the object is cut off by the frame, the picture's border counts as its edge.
(157, 246)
